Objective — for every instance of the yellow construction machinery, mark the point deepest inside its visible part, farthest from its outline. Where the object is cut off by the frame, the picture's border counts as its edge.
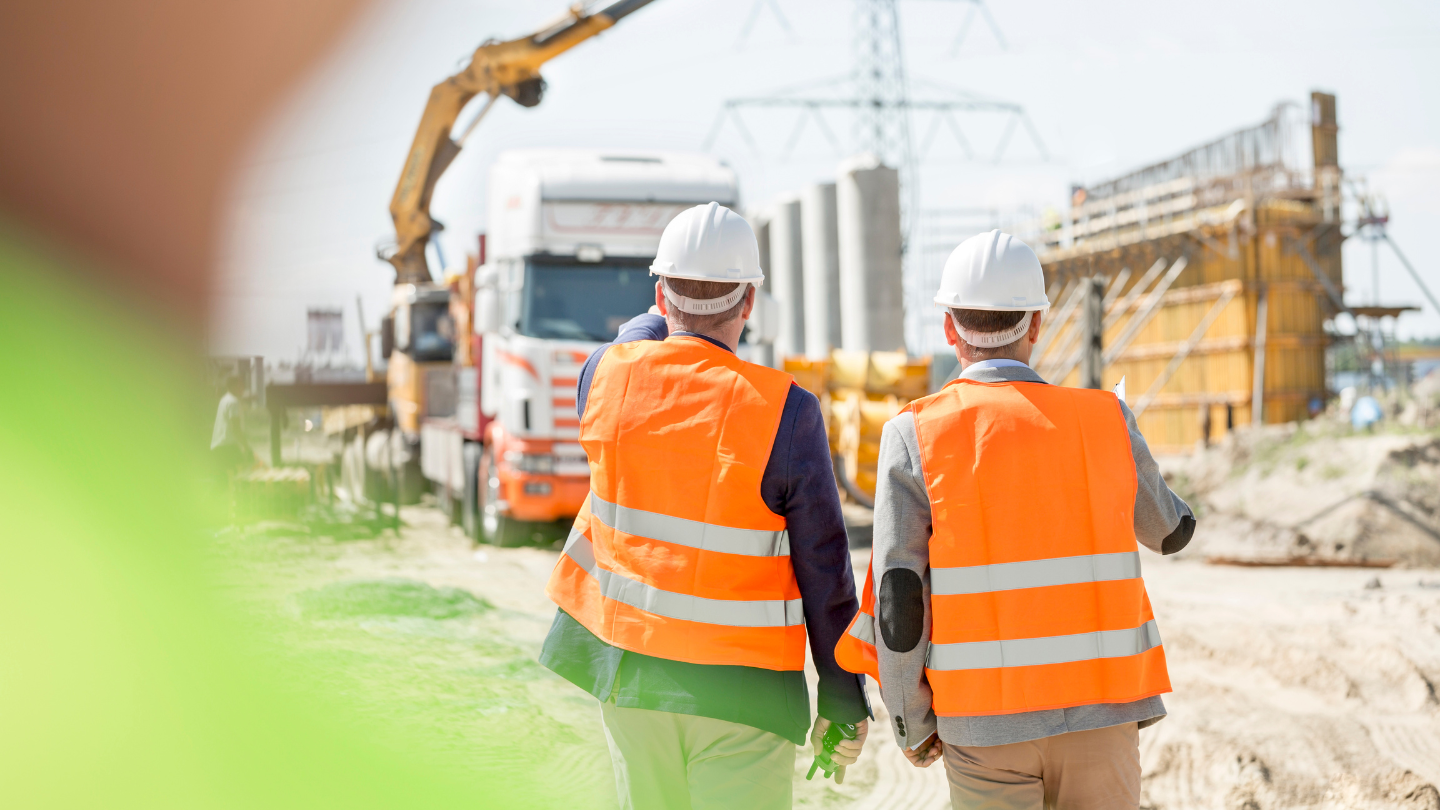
(420, 333)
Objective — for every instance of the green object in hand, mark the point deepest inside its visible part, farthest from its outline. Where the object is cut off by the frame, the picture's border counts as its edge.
(832, 738)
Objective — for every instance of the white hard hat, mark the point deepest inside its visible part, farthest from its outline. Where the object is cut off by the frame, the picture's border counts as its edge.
(708, 243)
(993, 271)
(997, 272)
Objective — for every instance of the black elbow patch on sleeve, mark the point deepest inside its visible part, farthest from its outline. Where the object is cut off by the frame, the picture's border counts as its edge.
(1180, 538)
(902, 609)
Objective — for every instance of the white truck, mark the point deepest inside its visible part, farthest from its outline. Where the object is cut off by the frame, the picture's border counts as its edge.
(571, 237)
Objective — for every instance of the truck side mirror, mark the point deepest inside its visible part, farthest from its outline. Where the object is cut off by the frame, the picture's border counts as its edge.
(387, 336)
(487, 300)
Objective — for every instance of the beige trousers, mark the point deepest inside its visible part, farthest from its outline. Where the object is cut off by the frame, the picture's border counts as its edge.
(666, 761)
(1081, 770)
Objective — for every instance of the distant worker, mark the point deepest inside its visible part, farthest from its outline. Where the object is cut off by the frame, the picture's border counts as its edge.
(711, 544)
(1010, 628)
(229, 446)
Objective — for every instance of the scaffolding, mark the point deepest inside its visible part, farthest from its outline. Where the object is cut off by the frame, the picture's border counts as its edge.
(1219, 270)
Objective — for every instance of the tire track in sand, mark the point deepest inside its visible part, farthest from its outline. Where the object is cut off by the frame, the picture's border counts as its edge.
(1412, 743)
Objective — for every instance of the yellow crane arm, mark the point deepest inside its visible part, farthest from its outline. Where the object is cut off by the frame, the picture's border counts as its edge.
(498, 68)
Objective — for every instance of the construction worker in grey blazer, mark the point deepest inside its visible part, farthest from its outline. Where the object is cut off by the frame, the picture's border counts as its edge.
(1075, 756)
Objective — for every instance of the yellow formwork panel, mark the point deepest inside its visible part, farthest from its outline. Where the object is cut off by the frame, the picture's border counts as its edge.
(1217, 376)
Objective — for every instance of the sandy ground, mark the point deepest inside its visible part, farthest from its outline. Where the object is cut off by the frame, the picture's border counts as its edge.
(1316, 490)
(1295, 688)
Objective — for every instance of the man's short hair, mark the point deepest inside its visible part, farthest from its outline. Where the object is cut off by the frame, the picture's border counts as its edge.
(234, 381)
(691, 288)
(985, 320)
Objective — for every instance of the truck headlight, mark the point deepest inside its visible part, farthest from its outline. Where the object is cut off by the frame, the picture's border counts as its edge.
(534, 463)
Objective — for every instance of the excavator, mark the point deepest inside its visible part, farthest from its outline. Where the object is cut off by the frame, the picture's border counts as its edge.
(428, 337)
(423, 331)
(497, 69)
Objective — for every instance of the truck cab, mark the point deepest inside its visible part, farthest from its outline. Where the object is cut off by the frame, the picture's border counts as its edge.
(420, 342)
(571, 237)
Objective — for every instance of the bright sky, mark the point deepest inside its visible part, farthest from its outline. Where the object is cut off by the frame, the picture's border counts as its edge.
(1111, 85)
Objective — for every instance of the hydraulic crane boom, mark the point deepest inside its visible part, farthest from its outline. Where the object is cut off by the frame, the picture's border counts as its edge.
(497, 68)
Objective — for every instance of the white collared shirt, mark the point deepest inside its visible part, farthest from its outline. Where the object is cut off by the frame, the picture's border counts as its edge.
(999, 362)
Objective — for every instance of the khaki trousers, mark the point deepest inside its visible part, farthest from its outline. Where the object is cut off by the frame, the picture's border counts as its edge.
(1081, 770)
(667, 761)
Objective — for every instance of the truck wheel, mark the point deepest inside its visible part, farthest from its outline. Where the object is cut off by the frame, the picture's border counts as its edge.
(510, 533)
(487, 493)
(495, 528)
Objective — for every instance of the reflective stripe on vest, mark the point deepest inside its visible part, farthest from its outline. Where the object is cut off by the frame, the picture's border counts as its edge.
(731, 613)
(675, 554)
(1034, 573)
(692, 533)
(864, 631)
(1036, 596)
(855, 652)
(1032, 652)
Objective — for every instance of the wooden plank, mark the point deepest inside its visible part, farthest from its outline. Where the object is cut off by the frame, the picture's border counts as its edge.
(1140, 288)
(1146, 312)
(1077, 328)
(1220, 345)
(1061, 319)
(301, 395)
(1310, 562)
(1115, 287)
(1068, 357)
(1213, 215)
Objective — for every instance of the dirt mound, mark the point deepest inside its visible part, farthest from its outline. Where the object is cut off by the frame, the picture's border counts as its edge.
(1315, 492)
(389, 597)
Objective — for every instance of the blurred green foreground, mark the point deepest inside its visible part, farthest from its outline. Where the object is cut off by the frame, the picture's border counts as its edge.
(146, 662)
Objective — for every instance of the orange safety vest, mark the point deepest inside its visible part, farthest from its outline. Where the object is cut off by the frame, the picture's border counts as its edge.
(675, 553)
(1035, 589)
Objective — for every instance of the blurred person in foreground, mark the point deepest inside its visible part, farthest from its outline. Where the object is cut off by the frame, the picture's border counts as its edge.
(1009, 626)
(229, 446)
(124, 682)
(711, 545)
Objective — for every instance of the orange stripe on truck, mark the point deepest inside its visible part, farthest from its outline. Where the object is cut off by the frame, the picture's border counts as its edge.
(518, 361)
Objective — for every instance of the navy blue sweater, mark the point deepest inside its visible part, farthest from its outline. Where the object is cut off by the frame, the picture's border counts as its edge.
(798, 484)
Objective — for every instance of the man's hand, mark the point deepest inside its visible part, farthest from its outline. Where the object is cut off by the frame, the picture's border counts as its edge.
(846, 752)
(926, 754)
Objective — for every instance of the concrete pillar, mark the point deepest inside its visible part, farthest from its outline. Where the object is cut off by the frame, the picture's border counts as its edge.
(821, 258)
(760, 223)
(867, 208)
(763, 354)
(787, 280)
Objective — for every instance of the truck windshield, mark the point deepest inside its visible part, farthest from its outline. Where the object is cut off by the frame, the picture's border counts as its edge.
(432, 335)
(583, 301)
